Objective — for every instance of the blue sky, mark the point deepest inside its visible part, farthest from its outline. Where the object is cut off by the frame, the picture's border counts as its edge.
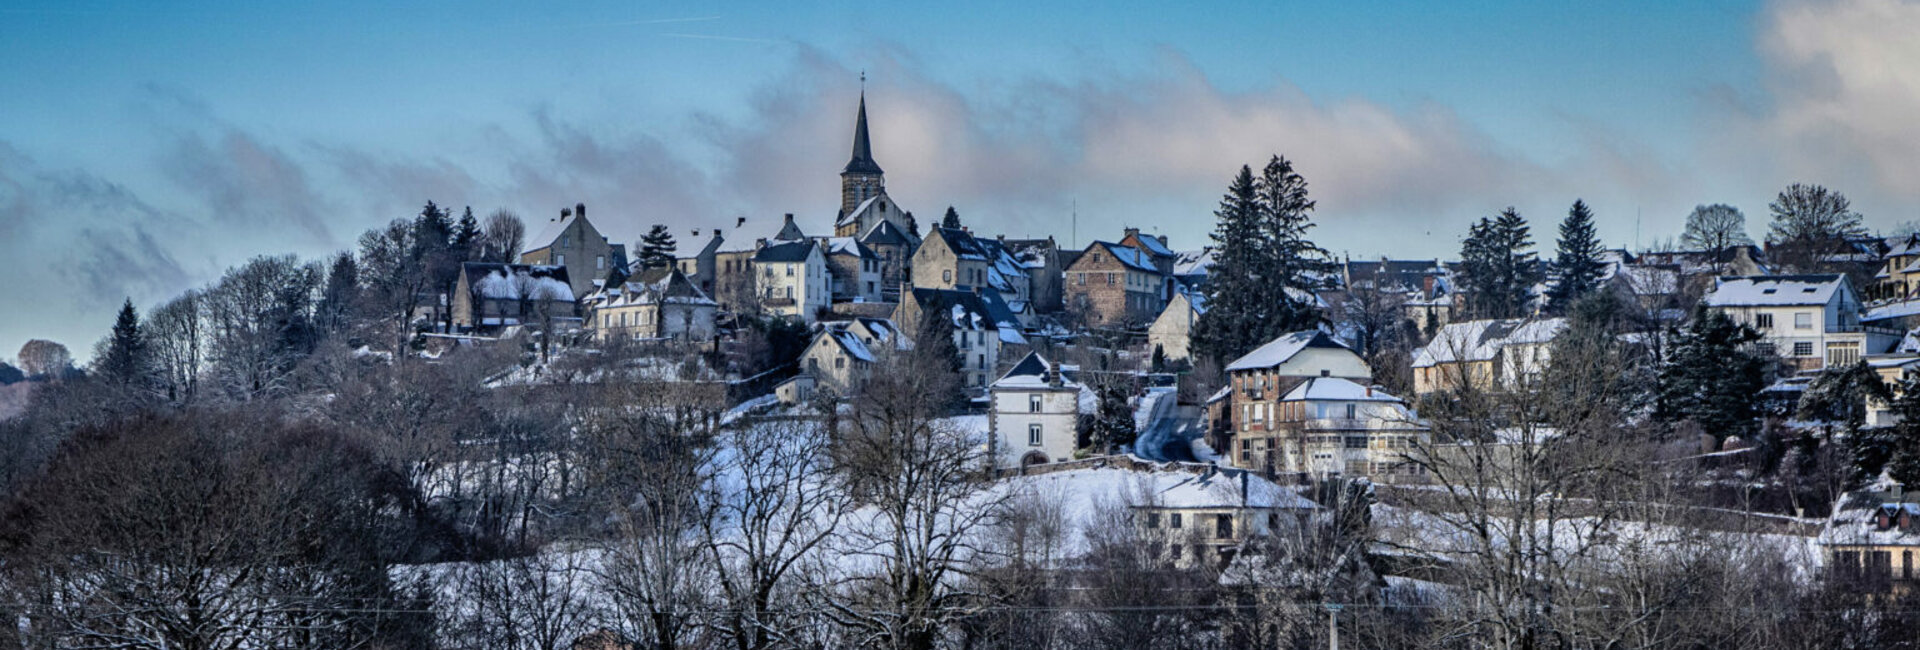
(145, 147)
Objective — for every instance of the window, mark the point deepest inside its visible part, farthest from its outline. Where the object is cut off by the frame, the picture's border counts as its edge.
(1350, 410)
(1109, 279)
(1174, 522)
(566, 241)
(1356, 442)
(789, 270)
(1153, 520)
(1765, 349)
(1174, 551)
(1803, 320)
(982, 362)
(1246, 450)
(560, 259)
(1763, 321)
(1080, 279)
(946, 276)
(1803, 348)
(839, 362)
(1273, 521)
(789, 292)
(1223, 526)
(1033, 435)
(599, 262)
(1033, 403)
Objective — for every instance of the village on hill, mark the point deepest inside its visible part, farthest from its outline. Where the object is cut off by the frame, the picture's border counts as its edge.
(869, 428)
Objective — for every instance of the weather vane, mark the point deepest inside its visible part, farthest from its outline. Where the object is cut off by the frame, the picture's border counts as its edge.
(863, 80)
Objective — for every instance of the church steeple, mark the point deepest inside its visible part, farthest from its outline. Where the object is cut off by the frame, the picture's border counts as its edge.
(862, 162)
(862, 178)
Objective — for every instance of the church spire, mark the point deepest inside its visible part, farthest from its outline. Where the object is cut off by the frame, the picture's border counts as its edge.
(862, 162)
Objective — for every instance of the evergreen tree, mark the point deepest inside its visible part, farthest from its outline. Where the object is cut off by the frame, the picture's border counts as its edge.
(1840, 394)
(1500, 269)
(1592, 381)
(466, 236)
(1711, 377)
(338, 298)
(1576, 265)
(1899, 448)
(1265, 269)
(125, 362)
(657, 248)
(951, 219)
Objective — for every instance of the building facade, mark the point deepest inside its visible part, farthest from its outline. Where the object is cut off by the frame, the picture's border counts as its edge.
(1035, 416)
(1111, 285)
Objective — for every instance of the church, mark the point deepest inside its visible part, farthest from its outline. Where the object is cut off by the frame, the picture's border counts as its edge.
(870, 216)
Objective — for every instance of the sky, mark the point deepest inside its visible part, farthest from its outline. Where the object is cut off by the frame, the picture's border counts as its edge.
(145, 147)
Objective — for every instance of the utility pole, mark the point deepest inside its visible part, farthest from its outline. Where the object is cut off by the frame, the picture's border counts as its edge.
(1333, 626)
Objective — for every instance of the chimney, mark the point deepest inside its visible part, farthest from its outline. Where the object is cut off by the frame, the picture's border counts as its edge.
(1163, 240)
(580, 210)
(565, 212)
(1130, 232)
(789, 217)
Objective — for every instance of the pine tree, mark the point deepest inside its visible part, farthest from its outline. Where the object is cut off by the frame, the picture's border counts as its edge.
(1899, 451)
(125, 361)
(1576, 265)
(657, 248)
(951, 220)
(1500, 270)
(1711, 377)
(466, 236)
(342, 291)
(1265, 269)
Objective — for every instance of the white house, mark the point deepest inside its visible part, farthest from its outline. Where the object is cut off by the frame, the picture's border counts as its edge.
(656, 304)
(793, 279)
(1036, 415)
(1485, 354)
(1813, 321)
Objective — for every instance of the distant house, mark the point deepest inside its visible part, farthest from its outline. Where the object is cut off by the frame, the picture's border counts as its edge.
(1485, 354)
(950, 258)
(842, 355)
(1162, 257)
(1035, 416)
(1249, 405)
(488, 297)
(1872, 538)
(658, 303)
(1042, 260)
(1899, 277)
(1205, 516)
(1114, 286)
(1007, 275)
(854, 268)
(1329, 426)
(571, 241)
(982, 326)
(1812, 321)
(1425, 286)
(1172, 332)
(791, 279)
(702, 267)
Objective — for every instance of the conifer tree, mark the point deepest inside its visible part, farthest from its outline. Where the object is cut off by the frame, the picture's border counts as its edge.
(466, 236)
(1265, 270)
(1711, 377)
(125, 361)
(1500, 269)
(657, 248)
(1576, 265)
(951, 219)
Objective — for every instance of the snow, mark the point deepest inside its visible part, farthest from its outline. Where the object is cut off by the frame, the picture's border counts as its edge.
(1774, 290)
(851, 343)
(1482, 340)
(1275, 352)
(1336, 389)
(1893, 310)
(1193, 262)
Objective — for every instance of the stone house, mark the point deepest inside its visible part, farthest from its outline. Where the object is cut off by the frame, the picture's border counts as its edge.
(490, 296)
(1041, 258)
(982, 326)
(855, 270)
(1329, 426)
(1873, 537)
(571, 241)
(1035, 415)
(1256, 382)
(1172, 332)
(950, 258)
(1202, 516)
(656, 304)
(1112, 285)
(1163, 258)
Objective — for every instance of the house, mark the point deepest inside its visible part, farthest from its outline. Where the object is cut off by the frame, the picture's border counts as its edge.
(654, 304)
(490, 296)
(1258, 380)
(855, 270)
(1035, 416)
(1172, 332)
(1111, 285)
(1424, 286)
(1042, 260)
(790, 279)
(1329, 426)
(1162, 257)
(839, 361)
(1007, 275)
(1873, 536)
(1812, 321)
(702, 267)
(950, 258)
(1485, 354)
(1899, 277)
(1204, 515)
(572, 242)
(982, 326)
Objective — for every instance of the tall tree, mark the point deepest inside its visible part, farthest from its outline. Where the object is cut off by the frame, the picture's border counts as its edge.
(466, 236)
(1810, 225)
(502, 237)
(45, 359)
(342, 292)
(124, 361)
(657, 248)
(1265, 269)
(1500, 269)
(1715, 228)
(1576, 265)
(951, 219)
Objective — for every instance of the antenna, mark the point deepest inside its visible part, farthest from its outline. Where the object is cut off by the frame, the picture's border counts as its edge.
(1073, 236)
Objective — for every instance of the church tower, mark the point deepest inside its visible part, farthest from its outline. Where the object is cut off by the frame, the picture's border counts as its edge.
(862, 179)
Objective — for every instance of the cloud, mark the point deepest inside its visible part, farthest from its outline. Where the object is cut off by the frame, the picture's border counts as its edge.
(248, 185)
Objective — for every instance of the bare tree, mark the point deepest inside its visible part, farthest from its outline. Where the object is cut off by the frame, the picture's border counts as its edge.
(176, 332)
(259, 318)
(43, 358)
(1715, 228)
(535, 602)
(501, 237)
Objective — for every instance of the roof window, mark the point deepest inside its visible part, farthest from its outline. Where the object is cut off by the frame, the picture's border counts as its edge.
(1769, 291)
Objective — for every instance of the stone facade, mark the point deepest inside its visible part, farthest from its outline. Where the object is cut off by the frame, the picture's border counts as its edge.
(949, 258)
(1114, 286)
(572, 241)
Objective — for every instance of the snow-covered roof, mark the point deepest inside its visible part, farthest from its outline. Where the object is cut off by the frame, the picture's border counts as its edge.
(1892, 310)
(654, 286)
(1129, 256)
(962, 243)
(1033, 372)
(1774, 290)
(1279, 350)
(1193, 262)
(1336, 389)
(518, 281)
(849, 246)
(793, 251)
(1153, 245)
(549, 233)
(1857, 519)
(1482, 340)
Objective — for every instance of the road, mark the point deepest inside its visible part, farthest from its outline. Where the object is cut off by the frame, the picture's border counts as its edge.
(1170, 431)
